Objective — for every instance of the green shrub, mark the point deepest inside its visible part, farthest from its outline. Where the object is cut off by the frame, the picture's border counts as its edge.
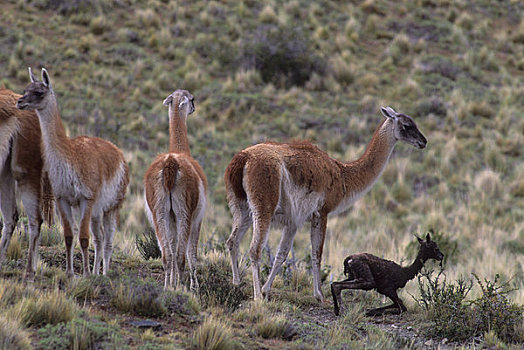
(81, 334)
(458, 319)
(147, 245)
(282, 55)
(494, 312)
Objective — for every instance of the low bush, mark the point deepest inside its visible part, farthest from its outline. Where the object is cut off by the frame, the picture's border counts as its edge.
(80, 333)
(282, 55)
(147, 245)
(458, 319)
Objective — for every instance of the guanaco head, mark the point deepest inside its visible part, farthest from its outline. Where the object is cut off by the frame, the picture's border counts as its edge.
(36, 94)
(404, 128)
(429, 249)
(181, 101)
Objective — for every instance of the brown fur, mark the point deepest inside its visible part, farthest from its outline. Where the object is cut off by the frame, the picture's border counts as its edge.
(170, 173)
(25, 163)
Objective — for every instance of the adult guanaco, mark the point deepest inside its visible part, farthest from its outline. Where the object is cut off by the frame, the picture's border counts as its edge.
(291, 183)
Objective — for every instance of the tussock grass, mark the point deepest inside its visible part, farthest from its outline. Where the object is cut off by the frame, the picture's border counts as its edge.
(45, 308)
(213, 335)
(275, 327)
(13, 336)
(14, 251)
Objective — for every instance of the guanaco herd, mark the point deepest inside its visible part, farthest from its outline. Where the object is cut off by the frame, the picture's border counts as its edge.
(268, 183)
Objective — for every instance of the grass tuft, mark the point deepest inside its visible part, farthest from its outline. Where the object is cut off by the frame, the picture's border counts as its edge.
(213, 335)
(47, 308)
(13, 336)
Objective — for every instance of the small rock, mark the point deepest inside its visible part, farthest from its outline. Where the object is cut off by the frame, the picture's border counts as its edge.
(394, 326)
(429, 342)
(444, 341)
(409, 328)
(145, 324)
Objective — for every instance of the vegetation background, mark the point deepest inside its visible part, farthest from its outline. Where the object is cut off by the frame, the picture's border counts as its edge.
(280, 70)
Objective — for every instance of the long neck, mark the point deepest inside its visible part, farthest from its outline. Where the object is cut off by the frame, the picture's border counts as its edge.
(362, 173)
(54, 135)
(177, 131)
(412, 270)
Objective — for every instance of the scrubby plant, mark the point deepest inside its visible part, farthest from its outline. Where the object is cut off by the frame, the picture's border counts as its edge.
(282, 55)
(80, 333)
(454, 317)
(147, 245)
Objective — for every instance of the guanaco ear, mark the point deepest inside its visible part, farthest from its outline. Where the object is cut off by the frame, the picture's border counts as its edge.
(419, 239)
(388, 112)
(168, 100)
(45, 78)
(31, 75)
(428, 238)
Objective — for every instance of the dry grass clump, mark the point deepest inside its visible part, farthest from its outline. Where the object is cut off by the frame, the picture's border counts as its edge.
(47, 308)
(142, 299)
(275, 327)
(87, 289)
(14, 251)
(342, 70)
(13, 336)
(488, 183)
(218, 289)
(268, 15)
(98, 25)
(213, 335)
(400, 49)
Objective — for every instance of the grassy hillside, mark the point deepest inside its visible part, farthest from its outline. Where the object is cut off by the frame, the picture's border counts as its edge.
(317, 70)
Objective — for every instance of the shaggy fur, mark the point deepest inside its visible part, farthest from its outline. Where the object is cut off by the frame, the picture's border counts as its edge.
(366, 272)
(88, 175)
(175, 195)
(21, 168)
(291, 183)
